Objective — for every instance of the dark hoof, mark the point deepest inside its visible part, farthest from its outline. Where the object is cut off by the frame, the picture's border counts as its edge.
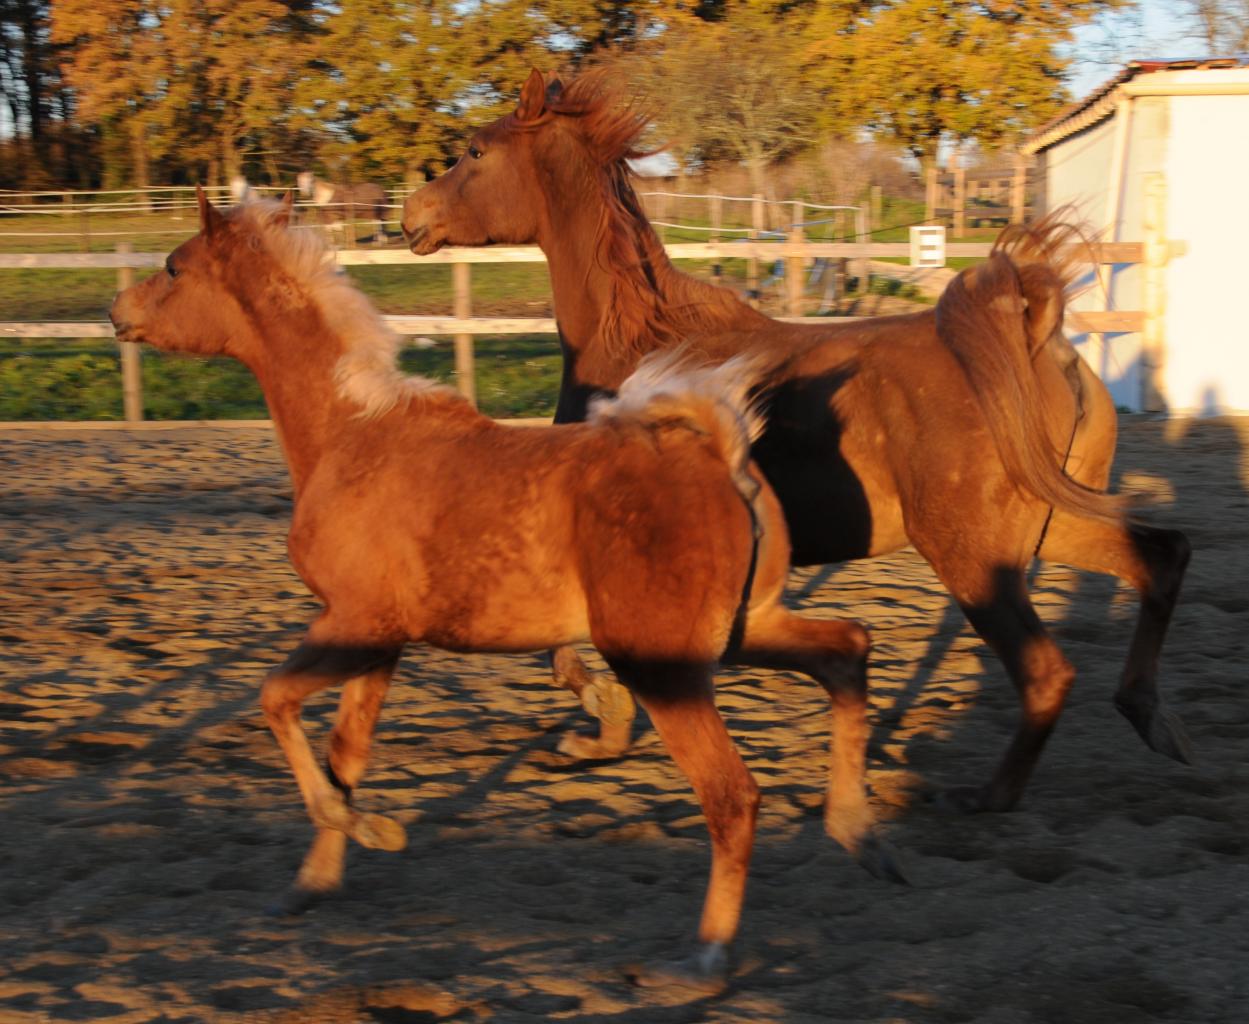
(706, 971)
(296, 901)
(880, 860)
(1161, 729)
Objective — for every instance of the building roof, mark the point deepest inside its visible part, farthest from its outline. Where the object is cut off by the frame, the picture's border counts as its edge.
(1101, 102)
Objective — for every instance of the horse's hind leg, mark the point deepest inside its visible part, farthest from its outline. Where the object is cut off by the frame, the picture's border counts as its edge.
(358, 710)
(601, 697)
(679, 700)
(1002, 613)
(1153, 561)
(833, 653)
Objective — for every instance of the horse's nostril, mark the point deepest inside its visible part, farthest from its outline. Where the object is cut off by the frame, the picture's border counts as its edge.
(414, 235)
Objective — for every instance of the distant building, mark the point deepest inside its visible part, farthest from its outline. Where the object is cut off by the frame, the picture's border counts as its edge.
(1162, 151)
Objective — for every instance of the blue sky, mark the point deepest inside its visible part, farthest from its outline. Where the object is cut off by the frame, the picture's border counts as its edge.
(1152, 28)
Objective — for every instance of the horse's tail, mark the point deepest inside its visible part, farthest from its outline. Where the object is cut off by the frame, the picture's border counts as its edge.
(996, 318)
(667, 389)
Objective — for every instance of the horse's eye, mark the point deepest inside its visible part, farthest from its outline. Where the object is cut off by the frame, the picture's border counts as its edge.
(170, 269)
(475, 153)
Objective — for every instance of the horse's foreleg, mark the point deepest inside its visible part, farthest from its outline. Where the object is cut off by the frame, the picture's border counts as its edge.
(1153, 561)
(358, 710)
(679, 700)
(313, 667)
(601, 697)
(834, 654)
(1003, 615)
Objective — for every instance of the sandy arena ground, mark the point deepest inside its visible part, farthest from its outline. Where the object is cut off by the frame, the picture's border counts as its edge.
(148, 817)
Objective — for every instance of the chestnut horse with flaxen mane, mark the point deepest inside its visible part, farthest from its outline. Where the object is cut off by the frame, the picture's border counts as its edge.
(973, 431)
(417, 519)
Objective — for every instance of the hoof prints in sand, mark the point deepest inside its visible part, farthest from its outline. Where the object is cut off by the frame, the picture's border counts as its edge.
(150, 819)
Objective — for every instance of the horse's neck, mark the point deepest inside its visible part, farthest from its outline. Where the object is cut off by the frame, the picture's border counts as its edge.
(294, 362)
(585, 297)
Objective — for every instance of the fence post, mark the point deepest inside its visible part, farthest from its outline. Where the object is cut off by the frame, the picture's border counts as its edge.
(131, 366)
(864, 237)
(716, 220)
(793, 263)
(878, 218)
(465, 378)
(1018, 184)
(756, 229)
(960, 200)
(930, 195)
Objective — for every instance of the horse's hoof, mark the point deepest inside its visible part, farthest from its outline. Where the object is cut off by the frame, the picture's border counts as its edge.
(296, 901)
(581, 747)
(706, 971)
(377, 832)
(1161, 729)
(612, 741)
(608, 701)
(880, 860)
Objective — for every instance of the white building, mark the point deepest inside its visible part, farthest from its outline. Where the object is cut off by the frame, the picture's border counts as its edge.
(1160, 154)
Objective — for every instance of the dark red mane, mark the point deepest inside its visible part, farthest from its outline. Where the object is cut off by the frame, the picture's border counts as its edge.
(654, 305)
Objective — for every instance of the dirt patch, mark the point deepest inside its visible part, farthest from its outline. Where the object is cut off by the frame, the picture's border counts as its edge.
(149, 818)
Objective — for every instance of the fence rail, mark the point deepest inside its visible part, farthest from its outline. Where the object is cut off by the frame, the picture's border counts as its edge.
(463, 325)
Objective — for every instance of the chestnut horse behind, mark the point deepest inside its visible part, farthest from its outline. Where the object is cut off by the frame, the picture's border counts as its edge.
(973, 431)
(646, 531)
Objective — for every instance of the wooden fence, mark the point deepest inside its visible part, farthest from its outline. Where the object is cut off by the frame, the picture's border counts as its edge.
(995, 195)
(795, 251)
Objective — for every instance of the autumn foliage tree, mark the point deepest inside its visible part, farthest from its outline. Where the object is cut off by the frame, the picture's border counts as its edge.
(192, 90)
(928, 70)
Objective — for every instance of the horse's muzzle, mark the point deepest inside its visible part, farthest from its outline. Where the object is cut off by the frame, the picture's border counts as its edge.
(414, 236)
(121, 328)
(421, 241)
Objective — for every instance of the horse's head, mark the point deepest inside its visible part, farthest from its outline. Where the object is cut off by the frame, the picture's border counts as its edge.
(492, 193)
(515, 174)
(198, 302)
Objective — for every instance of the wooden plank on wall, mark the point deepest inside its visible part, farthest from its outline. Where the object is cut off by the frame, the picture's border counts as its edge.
(1106, 322)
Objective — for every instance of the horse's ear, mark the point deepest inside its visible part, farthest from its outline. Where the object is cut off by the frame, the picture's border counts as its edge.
(554, 87)
(532, 97)
(209, 218)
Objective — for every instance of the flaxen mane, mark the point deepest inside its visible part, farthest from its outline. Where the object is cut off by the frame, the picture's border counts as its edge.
(653, 304)
(367, 373)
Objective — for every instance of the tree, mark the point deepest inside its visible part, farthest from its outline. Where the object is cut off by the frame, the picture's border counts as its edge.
(116, 65)
(397, 85)
(1223, 25)
(926, 70)
(25, 65)
(737, 84)
(236, 64)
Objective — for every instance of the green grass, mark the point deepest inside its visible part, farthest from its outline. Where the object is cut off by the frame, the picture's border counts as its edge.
(517, 376)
